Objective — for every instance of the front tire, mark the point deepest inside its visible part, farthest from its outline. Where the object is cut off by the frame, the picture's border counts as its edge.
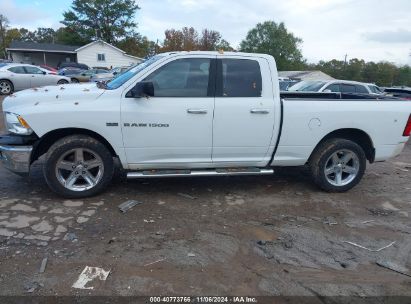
(62, 81)
(78, 166)
(338, 165)
(74, 80)
(6, 87)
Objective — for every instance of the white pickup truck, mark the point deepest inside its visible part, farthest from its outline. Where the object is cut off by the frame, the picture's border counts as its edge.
(197, 114)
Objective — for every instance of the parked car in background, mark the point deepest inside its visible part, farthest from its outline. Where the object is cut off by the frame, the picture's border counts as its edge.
(118, 70)
(50, 69)
(333, 86)
(401, 92)
(85, 76)
(69, 71)
(102, 77)
(286, 83)
(16, 76)
(70, 64)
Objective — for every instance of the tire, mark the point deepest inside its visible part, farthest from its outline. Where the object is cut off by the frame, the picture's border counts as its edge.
(6, 87)
(337, 165)
(78, 166)
(74, 80)
(62, 81)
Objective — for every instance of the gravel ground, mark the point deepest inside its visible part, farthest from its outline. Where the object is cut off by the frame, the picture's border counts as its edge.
(268, 235)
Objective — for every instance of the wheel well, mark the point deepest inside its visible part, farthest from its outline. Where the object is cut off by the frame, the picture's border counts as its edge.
(12, 84)
(47, 140)
(358, 136)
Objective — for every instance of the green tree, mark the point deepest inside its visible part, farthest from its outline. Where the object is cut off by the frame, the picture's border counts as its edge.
(139, 46)
(69, 36)
(110, 20)
(45, 35)
(188, 39)
(224, 45)
(4, 23)
(274, 39)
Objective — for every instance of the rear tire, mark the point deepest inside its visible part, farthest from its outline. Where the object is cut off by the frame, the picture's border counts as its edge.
(62, 81)
(78, 166)
(6, 87)
(337, 165)
(74, 80)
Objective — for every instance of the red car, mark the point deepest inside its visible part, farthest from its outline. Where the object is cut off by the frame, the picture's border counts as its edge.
(49, 68)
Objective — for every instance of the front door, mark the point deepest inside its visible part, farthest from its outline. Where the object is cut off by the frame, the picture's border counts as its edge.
(244, 110)
(173, 129)
(37, 76)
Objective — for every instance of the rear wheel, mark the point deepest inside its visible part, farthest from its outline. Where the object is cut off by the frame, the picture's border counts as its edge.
(6, 87)
(78, 166)
(74, 80)
(338, 165)
(62, 81)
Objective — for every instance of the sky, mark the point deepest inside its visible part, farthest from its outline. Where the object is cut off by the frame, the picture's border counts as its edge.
(369, 29)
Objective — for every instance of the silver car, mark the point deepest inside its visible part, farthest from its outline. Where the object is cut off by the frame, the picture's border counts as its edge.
(16, 76)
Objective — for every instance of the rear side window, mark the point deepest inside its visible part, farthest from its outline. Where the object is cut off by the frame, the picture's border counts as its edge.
(347, 88)
(361, 89)
(240, 78)
(182, 78)
(17, 70)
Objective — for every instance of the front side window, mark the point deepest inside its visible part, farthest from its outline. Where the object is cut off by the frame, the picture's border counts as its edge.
(361, 89)
(17, 70)
(240, 78)
(182, 78)
(101, 57)
(334, 88)
(347, 88)
(33, 70)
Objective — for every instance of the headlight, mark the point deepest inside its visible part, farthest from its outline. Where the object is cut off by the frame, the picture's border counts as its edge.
(16, 124)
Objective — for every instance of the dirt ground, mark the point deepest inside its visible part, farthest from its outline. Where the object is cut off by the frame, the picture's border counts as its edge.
(268, 235)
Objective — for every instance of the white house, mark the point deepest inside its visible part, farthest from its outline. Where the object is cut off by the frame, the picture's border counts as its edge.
(95, 54)
(102, 54)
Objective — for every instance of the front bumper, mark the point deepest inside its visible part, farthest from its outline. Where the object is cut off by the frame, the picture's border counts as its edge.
(16, 158)
(15, 152)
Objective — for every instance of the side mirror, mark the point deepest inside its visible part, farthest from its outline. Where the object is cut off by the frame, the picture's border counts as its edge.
(44, 72)
(83, 74)
(141, 89)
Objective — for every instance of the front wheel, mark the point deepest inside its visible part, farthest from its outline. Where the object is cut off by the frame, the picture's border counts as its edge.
(62, 81)
(78, 166)
(337, 165)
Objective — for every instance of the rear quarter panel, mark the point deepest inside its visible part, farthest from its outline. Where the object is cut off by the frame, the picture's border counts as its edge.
(307, 122)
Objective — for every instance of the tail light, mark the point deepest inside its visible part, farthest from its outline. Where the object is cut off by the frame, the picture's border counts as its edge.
(407, 130)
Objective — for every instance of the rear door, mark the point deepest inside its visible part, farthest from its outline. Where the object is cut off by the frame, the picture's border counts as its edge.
(21, 80)
(244, 110)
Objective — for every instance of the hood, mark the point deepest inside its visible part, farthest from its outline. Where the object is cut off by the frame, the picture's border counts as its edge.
(52, 94)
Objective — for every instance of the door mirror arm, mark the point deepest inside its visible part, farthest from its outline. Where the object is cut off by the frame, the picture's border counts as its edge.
(141, 89)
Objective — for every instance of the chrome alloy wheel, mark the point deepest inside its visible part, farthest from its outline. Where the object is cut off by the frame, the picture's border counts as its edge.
(342, 167)
(5, 87)
(79, 169)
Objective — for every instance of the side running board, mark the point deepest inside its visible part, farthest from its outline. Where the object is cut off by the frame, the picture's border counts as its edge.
(203, 172)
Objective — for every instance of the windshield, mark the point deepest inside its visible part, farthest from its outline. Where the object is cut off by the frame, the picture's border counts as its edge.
(307, 86)
(124, 77)
(375, 89)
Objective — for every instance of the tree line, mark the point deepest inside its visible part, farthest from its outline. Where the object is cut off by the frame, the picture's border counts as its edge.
(114, 22)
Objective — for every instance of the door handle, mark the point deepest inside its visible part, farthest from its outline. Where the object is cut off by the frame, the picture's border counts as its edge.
(196, 111)
(259, 111)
